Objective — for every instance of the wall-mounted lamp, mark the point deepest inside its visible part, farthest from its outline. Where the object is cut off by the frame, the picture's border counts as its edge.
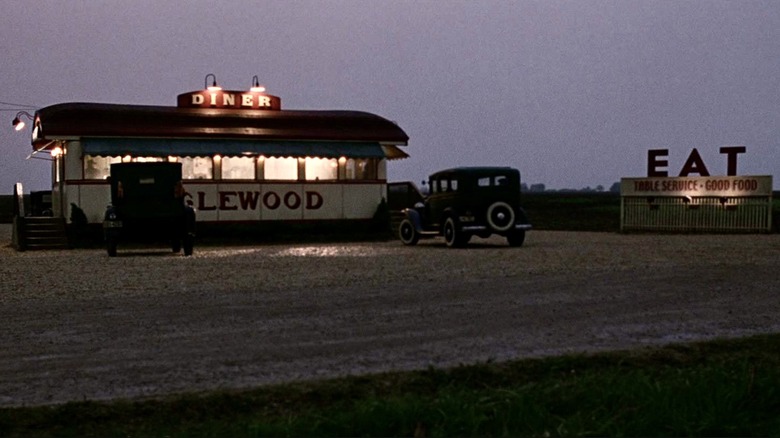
(18, 123)
(256, 87)
(213, 86)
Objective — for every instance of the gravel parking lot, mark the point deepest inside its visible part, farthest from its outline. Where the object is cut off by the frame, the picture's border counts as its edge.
(78, 325)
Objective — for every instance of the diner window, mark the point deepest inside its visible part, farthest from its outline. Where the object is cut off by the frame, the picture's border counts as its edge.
(361, 168)
(322, 169)
(238, 168)
(196, 167)
(281, 168)
(96, 167)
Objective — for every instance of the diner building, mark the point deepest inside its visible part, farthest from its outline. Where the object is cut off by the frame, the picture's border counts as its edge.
(244, 158)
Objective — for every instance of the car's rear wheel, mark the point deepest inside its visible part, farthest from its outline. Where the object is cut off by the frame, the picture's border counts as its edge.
(408, 233)
(453, 235)
(501, 216)
(111, 246)
(189, 244)
(516, 238)
(176, 245)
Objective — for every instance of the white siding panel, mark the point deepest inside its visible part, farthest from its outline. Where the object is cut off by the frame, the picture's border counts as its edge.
(93, 199)
(323, 201)
(361, 201)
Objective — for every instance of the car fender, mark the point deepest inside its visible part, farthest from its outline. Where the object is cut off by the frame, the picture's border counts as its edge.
(522, 216)
(447, 212)
(415, 217)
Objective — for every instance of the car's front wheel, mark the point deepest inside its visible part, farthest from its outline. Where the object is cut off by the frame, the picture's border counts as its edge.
(408, 233)
(453, 235)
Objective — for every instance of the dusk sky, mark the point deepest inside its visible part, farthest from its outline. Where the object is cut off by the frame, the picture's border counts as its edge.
(572, 93)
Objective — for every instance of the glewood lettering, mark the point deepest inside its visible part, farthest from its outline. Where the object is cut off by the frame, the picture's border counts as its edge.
(254, 200)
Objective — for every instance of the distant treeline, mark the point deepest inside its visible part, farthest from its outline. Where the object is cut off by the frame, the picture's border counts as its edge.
(536, 188)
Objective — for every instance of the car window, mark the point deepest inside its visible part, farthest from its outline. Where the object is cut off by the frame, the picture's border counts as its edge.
(454, 185)
(484, 182)
(501, 180)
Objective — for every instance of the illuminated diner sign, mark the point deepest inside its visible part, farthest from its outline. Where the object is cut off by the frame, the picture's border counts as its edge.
(712, 186)
(218, 98)
(656, 164)
(657, 182)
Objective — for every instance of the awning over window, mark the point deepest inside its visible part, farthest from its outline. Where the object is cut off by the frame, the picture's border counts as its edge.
(158, 147)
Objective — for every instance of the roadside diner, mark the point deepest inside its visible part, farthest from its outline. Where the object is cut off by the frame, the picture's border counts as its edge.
(243, 157)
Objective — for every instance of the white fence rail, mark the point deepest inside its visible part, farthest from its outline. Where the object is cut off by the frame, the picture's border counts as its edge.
(710, 214)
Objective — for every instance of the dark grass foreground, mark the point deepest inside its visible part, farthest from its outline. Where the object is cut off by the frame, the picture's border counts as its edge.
(723, 388)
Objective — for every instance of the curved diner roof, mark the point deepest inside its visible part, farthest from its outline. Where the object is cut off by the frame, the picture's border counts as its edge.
(97, 120)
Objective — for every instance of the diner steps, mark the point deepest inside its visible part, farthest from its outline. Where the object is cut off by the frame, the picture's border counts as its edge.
(37, 233)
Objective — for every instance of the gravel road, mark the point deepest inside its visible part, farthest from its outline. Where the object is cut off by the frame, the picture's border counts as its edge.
(78, 325)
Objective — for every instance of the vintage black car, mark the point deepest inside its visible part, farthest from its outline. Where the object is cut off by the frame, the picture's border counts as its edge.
(465, 202)
(147, 204)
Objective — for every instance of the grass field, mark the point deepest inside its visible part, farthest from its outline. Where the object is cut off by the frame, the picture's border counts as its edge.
(721, 388)
(573, 211)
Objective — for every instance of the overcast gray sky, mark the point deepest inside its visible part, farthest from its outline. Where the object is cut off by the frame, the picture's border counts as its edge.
(573, 93)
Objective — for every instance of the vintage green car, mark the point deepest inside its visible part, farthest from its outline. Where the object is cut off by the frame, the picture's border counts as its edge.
(465, 202)
(147, 204)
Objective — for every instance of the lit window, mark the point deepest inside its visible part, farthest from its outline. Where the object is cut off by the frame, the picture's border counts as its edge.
(98, 167)
(322, 169)
(149, 159)
(281, 168)
(238, 168)
(196, 167)
(361, 168)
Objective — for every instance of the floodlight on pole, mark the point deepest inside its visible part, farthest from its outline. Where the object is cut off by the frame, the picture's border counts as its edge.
(18, 123)
(213, 86)
(256, 87)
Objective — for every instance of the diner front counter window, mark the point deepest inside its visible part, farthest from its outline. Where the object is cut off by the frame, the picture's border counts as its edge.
(196, 167)
(322, 169)
(98, 167)
(255, 168)
(285, 169)
(237, 168)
